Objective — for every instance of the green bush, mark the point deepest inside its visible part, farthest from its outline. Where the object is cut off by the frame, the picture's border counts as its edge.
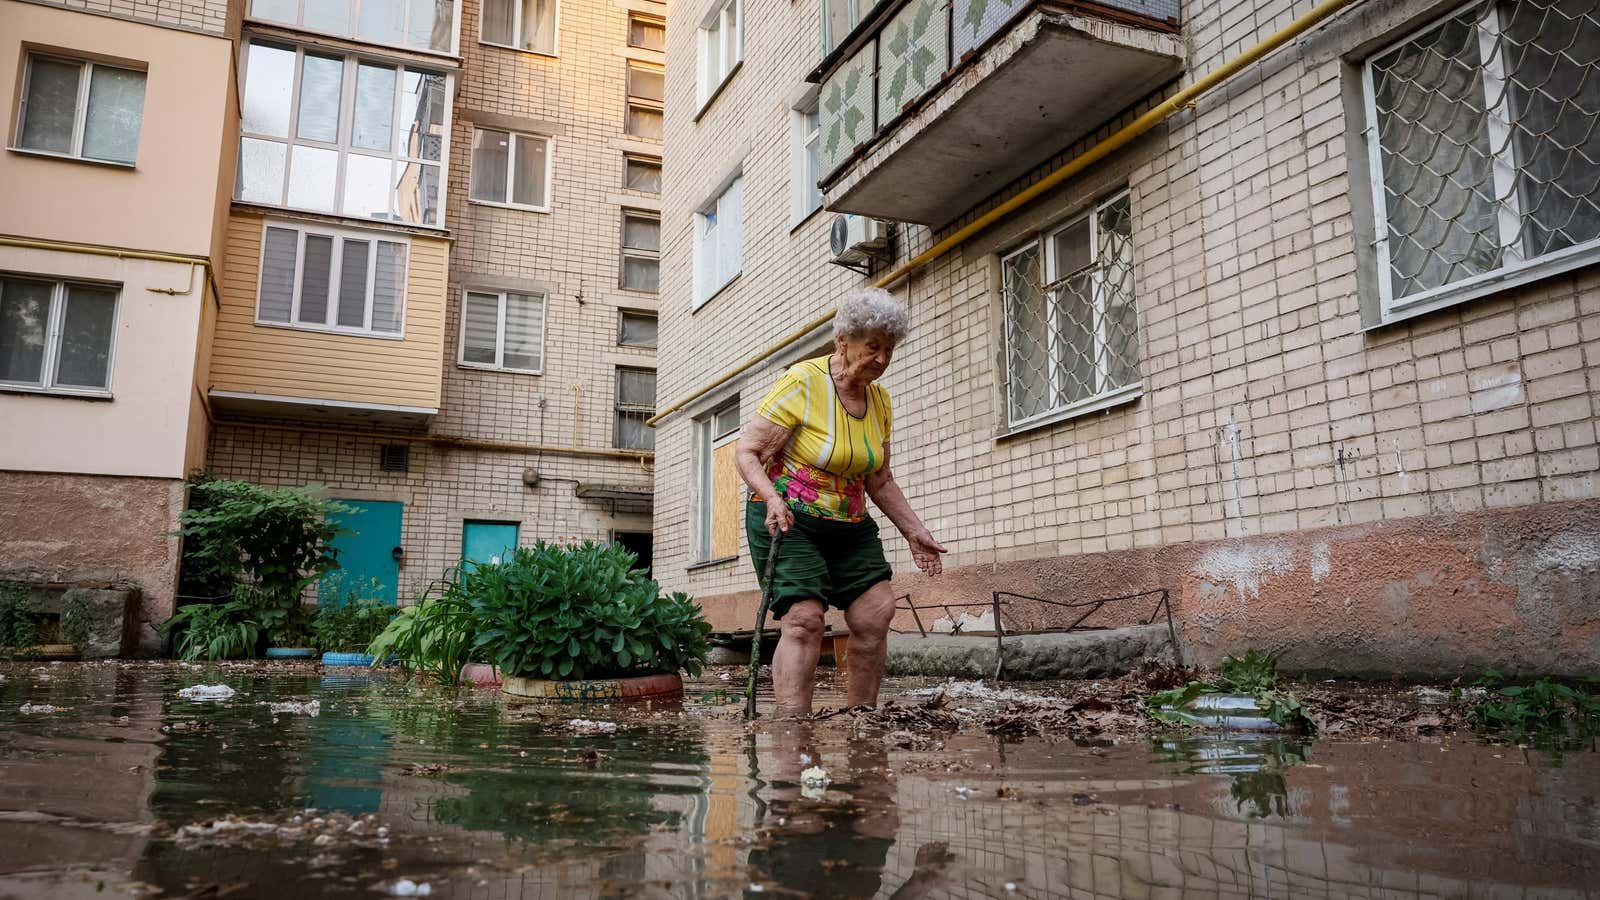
(18, 626)
(216, 630)
(1545, 713)
(581, 612)
(351, 626)
(433, 636)
(277, 541)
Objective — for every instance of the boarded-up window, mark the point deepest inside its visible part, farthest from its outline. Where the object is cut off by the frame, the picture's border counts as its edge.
(719, 514)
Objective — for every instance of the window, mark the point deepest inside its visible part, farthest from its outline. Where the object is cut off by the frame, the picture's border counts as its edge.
(332, 280)
(636, 404)
(804, 169)
(417, 24)
(1071, 330)
(838, 18)
(641, 251)
(81, 109)
(721, 47)
(718, 515)
(503, 331)
(520, 25)
(642, 173)
(646, 32)
(1482, 149)
(56, 336)
(645, 90)
(636, 329)
(338, 134)
(717, 230)
(510, 169)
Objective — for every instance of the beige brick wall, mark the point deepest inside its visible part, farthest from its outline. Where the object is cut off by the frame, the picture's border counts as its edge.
(577, 97)
(1266, 407)
(197, 15)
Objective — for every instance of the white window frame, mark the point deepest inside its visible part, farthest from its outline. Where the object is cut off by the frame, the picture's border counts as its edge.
(711, 74)
(1104, 396)
(343, 146)
(708, 439)
(708, 284)
(334, 271)
(805, 198)
(829, 40)
(625, 251)
(53, 336)
(646, 18)
(511, 171)
(355, 18)
(80, 115)
(516, 28)
(1515, 270)
(500, 331)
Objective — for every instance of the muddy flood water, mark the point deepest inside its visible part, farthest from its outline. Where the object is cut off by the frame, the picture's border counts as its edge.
(112, 784)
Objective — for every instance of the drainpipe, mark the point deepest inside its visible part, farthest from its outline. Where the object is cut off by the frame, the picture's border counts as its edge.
(1181, 100)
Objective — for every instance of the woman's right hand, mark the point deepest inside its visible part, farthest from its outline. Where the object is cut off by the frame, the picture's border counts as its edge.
(779, 518)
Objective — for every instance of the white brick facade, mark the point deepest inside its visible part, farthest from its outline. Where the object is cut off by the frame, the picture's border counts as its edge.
(1266, 408)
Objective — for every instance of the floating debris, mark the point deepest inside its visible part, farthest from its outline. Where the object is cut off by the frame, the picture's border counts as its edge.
(37, 709)
(310, 708)
(590, 726)
(405, 887)
(205, 692)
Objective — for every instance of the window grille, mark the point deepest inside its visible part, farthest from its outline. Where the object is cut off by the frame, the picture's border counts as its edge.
(394, 458)
(1484, 150)
(635, 405)
(1071, 326)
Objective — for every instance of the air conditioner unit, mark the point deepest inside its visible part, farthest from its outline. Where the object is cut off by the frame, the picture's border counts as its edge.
(857, 240)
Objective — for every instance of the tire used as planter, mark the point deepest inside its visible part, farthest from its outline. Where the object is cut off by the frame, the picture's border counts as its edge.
(346, 659)
(291, 653)
(643, 687)
(480, 675)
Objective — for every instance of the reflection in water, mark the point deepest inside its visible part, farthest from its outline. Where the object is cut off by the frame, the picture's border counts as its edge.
(1254, 763)
(483, 800)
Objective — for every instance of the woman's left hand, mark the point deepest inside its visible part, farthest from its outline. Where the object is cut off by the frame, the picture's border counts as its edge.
(925, 552)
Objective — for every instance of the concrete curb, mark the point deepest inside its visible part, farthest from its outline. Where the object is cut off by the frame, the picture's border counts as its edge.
(1037, 657)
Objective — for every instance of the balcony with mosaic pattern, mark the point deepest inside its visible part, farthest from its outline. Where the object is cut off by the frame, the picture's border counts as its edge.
(929, 106)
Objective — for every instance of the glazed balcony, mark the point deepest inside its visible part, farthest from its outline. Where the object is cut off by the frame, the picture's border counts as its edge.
(929, 106)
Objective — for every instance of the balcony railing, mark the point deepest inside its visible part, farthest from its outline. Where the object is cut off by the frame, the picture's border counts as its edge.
(910, 64)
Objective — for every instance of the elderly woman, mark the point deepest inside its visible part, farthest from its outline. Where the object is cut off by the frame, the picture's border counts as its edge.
(817, 447)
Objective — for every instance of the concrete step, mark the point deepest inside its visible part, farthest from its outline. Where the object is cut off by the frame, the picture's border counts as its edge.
(1039, 657)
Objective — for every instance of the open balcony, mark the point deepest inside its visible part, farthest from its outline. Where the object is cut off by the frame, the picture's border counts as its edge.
(929, 106)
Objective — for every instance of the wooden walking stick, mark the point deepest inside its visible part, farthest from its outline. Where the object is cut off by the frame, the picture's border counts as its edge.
(761, 622)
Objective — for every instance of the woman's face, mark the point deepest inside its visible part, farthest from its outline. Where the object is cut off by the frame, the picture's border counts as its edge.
(864, 357)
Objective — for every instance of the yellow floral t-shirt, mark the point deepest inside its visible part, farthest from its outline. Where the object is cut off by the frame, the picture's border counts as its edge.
(824, 468)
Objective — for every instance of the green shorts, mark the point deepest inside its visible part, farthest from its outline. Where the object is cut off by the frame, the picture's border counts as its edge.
(820, 559)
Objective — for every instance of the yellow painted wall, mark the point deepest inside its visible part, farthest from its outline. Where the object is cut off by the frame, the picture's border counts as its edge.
(290, 362)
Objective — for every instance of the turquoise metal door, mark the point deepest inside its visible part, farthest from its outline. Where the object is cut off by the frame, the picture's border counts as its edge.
(487, 542)
(366, 553)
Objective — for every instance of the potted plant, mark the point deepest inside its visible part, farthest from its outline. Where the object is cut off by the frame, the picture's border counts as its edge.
(578, 623)
(344, 632)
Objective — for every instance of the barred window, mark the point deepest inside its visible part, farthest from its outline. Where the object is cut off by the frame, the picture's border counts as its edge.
(1071, 327)
(636, 405)
(1484, 150)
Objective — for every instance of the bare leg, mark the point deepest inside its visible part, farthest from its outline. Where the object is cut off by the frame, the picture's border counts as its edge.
(868, 618)
(794, 663)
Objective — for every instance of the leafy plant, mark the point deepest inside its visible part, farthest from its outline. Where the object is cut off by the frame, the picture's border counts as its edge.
(1545, 712)
(1254, 675)
(215, 630)
(18, 627)
(581, 612)
(276, 540)
(351, 626)
(433, 636)
(75, 618)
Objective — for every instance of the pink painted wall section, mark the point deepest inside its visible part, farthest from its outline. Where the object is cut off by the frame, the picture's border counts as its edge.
(167, 202)
(84, 530)
(1515, 589)
(144, 429)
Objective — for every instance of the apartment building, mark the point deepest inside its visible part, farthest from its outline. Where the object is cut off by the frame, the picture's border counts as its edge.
(1311, 351)
(443, 250)
(114, 182)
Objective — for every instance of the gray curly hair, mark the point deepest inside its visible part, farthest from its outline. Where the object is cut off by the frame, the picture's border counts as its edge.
(871, 309)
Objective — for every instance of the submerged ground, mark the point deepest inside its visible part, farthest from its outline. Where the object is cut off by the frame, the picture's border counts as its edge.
(111, 784)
